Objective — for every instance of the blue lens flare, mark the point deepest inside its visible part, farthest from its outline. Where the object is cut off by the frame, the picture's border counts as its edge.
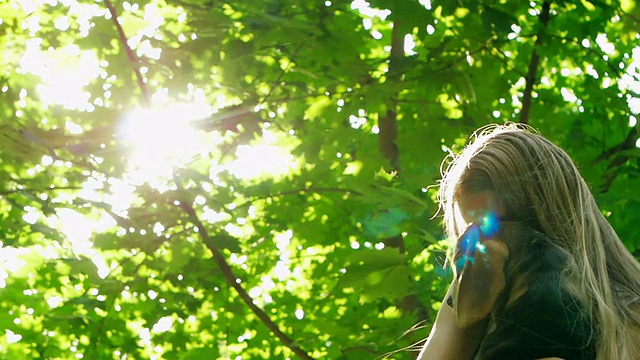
(486, 227)
(490, 225)
(470, 240)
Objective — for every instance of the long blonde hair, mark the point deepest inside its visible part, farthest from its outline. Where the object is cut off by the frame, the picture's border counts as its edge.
(538, 183)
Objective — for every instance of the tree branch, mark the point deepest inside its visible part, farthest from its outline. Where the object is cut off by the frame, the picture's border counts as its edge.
(317, 190)
(387, 138)
(629, 15)
(533, 65)
(276, 83)
(388, 123)
(591, 50)
(27, 190)
(629, 143)
(94, 340)
(133, 59)
(505, 60)
(232, 280)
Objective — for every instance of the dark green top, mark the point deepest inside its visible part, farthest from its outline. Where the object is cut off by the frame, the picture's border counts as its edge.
(546, 321)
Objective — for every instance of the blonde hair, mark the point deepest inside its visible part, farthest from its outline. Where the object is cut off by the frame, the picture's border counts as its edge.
(537, 183)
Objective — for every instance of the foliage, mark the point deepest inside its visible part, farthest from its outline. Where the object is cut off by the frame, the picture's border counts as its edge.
(190, 179)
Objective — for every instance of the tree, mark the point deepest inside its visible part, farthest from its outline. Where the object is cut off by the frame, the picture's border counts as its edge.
(188, 179)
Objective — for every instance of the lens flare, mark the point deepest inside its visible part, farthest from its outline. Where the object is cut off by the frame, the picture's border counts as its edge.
(486, 227)
(490, 225)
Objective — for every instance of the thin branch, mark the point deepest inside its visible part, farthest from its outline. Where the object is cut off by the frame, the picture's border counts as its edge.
(281, 74)
(388, 122)
(505, 60)
(533, 65)
(451, 65)
(362, 348)
(94, 341)
(627, 144)
(354, 88)
(276, 84)
(592, 50)
(629, 15)
(133, 59)
(317, 190)
(53, 188)
(231, 279)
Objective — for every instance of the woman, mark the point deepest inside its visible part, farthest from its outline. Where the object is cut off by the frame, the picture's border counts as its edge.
(552, 280)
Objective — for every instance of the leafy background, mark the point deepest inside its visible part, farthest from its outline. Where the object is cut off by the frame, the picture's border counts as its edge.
(251, 179)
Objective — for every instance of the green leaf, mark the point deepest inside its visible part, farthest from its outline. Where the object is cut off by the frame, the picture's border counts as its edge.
(86, 301)
(499, 20)
(226, 241)
(379, 273)
(317, 108)
(385, 224)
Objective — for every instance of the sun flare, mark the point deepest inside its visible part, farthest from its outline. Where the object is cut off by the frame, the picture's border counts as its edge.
(161, 139)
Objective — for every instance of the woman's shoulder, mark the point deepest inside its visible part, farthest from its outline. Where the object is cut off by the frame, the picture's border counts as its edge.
(536, 315)
(544, 322)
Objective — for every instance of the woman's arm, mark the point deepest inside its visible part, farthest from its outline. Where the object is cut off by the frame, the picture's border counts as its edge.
(449, 342)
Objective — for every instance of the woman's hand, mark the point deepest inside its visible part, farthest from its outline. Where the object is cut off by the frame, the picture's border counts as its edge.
(447, 341)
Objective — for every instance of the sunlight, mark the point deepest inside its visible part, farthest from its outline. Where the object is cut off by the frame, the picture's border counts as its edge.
(64, 73)
(163, 325)
(630, 81)
(270, 156)
(66, 69)
(409, 45)
(78, 230)
(161, 139)
(121, 195)
(10, 262)
(12, 337)
(364, 7)
(261, 159)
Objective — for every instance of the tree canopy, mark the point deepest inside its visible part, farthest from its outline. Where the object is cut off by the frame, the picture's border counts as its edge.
(254, 179)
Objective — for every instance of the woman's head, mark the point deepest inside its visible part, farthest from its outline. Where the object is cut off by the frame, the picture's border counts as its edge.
(521, 174)
(514, 172)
